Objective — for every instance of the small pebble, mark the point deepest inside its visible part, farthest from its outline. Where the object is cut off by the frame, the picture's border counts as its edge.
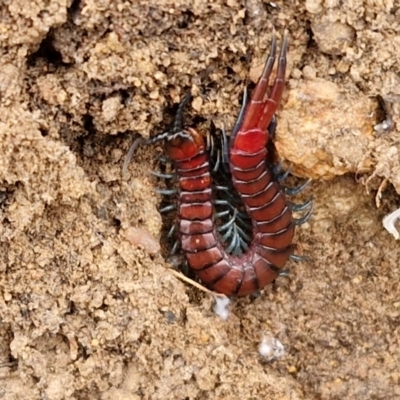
(141, 237)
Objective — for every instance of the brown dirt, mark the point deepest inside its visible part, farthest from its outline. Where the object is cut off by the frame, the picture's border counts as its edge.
(86, 315)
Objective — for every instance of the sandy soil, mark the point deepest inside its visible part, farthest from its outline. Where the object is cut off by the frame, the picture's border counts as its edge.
(84, 313)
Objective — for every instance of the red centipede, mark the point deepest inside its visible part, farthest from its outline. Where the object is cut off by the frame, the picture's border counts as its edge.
(253, 177)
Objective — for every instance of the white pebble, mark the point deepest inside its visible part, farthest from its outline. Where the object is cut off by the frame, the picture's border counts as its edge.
(221, 307)
(389, 223)
(271, 348)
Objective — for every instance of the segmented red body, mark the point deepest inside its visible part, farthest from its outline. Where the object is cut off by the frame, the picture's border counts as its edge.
(265, 202)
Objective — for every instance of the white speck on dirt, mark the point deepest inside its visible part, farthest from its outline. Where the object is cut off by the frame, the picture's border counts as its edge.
(221, 307)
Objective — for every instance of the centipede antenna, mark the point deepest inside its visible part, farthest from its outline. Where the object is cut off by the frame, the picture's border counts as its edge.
(177, 131)
(178, 122)
(159, 137)
(300, 207)
(305, 218)
(297, 190)
(183, 134)
(165, 136)
(137, 143)
(141, 141)
(297, 258)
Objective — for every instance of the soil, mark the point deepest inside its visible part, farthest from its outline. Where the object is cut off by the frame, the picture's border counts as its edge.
(89, 307)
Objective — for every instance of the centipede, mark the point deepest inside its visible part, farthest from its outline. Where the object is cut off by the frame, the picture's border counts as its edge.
(251, 246)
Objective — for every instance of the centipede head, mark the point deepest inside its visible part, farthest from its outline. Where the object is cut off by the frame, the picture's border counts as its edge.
(184, 145)
(179, 143)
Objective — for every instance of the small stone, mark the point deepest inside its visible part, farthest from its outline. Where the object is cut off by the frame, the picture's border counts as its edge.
(333, 38)
(313, 6)
(141, 237)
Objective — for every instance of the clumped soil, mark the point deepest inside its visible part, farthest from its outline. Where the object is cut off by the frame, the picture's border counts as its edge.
(89, 308)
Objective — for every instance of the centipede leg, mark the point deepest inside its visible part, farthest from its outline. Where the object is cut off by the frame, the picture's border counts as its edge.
(163, 159)
(161, 175)
(233, 245)
(171, 232)
(222, 214)
(243, 245)
(284, 272)
(272, 127)
(297, 258)
(243, 234)
(227, 234)
(175, 248)
(168, 208)
(222, 188)
(243, 220)
(217, 163)
(240, 117)
(222, 203)
(305, 218)
(281, 177)
(300, 207)
(185, 269)
(240, 245)
(256, 294)
(228, 224)
(294, 191)
(166, 192)
(277, 168)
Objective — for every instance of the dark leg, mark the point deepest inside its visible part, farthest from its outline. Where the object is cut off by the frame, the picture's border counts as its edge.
(271, 104)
